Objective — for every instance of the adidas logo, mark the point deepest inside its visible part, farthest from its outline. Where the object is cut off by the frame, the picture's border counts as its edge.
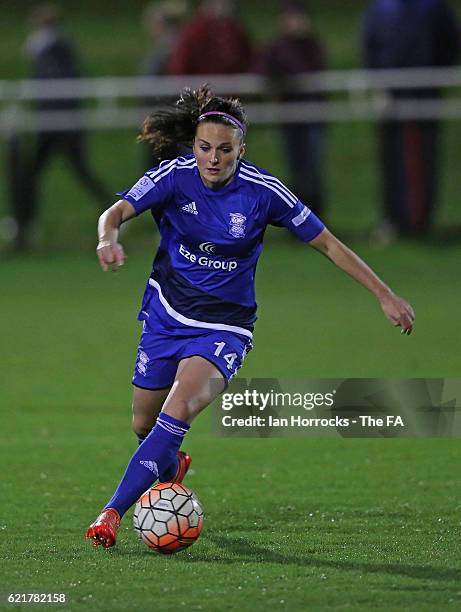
(190, 208)
(150, 465)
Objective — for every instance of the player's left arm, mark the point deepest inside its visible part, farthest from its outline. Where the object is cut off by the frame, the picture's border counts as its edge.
(396, 309)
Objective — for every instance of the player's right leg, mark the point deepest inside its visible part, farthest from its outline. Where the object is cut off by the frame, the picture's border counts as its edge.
(154, 374)
(147, 404)
(103, 531)
(191, 390)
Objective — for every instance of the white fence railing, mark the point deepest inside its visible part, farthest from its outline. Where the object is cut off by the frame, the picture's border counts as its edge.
(350, 95)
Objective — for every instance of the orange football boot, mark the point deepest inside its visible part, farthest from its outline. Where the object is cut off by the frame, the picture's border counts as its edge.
(184, 461)
(103, 531)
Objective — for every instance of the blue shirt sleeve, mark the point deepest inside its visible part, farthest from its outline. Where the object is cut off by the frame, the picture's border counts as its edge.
(299, 219)
(152, 190)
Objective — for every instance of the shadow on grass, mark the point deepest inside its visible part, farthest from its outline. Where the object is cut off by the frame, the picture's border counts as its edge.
(238, 550)
(244, 550)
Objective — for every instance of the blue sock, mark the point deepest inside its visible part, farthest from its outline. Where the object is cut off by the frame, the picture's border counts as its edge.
(154, 456)
(171, 470)
(168, 473)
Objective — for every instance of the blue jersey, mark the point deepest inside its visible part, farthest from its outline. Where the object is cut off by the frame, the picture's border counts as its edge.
(204, 270)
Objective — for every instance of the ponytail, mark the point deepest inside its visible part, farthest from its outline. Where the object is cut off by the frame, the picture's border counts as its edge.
(175, 125)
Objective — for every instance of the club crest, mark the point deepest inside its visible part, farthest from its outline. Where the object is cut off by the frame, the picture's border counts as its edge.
(237, 225)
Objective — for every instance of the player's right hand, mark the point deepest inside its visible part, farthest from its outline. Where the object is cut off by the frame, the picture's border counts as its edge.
(110, 255)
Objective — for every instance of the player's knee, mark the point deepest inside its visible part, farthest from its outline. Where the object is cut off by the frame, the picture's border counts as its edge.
(183, 409)
(141, 425)
(143, 418)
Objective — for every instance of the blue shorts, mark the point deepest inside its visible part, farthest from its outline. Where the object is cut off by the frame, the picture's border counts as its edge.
(164, 342)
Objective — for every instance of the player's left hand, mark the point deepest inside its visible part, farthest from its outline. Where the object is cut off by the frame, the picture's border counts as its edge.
(399, 313)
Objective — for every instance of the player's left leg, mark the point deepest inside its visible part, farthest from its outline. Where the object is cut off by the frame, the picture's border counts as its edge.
(188, 396)
(198, 382)
(221, 354)
(147, 404)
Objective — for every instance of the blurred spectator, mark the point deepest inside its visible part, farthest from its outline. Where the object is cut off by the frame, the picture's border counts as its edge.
(404, 34)
(212, 42)
(52, 57)
(162, 22)
(296, 51)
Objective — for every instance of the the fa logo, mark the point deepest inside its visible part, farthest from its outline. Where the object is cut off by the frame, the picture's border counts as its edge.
(237, 225)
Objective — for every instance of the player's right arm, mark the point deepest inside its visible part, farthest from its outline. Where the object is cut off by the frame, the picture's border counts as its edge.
(156, 188)
(109, 250)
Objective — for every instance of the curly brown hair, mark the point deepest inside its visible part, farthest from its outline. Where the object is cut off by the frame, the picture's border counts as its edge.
(176, 124)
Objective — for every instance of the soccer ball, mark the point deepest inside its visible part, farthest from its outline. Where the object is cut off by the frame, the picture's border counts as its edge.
(168, 517)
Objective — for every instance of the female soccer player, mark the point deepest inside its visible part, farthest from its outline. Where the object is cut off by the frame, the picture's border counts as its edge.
(212, 209)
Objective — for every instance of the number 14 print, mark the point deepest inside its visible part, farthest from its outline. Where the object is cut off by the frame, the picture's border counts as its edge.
(229, 358)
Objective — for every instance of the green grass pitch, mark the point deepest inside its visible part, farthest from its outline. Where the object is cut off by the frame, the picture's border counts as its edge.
(290, 524)
(313, 524)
